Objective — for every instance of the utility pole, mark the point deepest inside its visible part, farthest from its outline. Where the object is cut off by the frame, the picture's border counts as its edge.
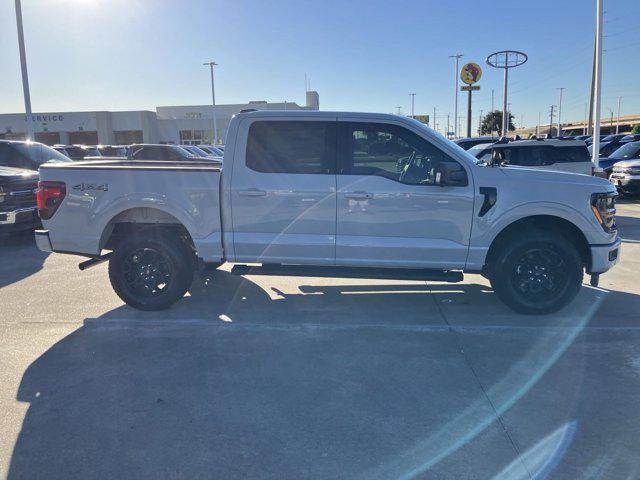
(213, 103)
(455, 109)
(492, 100)
(586, 119)
(480, 124)
(448, 128)
(611, 122)
(595, 152)
(561, 89)
(538, 125)
(398, 110)
(618, 122)
(25, 76)
(413, 97)
(434, 118)
(551, 120)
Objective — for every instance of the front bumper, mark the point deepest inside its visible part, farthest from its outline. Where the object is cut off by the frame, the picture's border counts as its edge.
(604, 257)
(42, 240)
(20, 218)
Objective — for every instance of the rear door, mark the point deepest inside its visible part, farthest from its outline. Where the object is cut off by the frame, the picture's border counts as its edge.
(283, 192)
(391, 212)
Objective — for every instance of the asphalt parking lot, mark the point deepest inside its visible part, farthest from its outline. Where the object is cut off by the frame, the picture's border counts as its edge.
(272, 377)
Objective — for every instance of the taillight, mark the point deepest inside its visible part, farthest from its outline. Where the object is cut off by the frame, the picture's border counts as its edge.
(49, 196)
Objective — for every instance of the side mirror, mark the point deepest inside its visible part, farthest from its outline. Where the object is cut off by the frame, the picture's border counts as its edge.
(451, 174)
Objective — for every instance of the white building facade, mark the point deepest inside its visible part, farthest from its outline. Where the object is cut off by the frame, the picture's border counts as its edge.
(186, 124)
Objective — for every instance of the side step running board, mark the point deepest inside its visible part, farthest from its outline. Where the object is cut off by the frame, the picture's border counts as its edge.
(349, 272)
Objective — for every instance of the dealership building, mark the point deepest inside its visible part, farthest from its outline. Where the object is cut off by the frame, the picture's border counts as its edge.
(185, 124)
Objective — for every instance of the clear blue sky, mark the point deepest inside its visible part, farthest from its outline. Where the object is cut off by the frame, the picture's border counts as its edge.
(360, 55)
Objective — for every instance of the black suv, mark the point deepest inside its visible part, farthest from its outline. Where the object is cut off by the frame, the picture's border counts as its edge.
(18, 199)
(28, 155)
(19, 162)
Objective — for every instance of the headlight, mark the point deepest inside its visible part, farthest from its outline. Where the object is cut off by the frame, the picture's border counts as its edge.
(603, 206)
(632, 170)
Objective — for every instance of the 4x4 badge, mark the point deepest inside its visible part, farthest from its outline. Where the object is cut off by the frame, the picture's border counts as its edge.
(104, 187)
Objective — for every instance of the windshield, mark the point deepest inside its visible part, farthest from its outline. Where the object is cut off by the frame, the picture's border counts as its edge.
(630, 150)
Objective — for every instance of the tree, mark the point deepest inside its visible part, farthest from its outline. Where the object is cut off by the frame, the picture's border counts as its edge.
(492, 122)
(636, 129)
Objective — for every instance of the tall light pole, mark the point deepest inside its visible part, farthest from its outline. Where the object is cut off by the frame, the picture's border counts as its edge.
(618, 121)
(413, 97)
(506, 59)
(596, 88)
(213, 103)
(25, 76)
(561, 89)
(455, 108)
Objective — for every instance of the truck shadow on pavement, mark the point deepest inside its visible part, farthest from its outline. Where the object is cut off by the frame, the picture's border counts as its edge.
(19, 257)
(347, 381)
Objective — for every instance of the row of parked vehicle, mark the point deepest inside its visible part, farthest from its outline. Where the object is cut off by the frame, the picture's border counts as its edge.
(20, 161)
(619, 155)
(142, 151)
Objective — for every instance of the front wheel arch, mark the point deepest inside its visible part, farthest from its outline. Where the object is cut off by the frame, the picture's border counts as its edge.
(536, 223)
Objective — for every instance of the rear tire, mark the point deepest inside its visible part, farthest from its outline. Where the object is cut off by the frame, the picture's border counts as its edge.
(536, 273)
(151, 271)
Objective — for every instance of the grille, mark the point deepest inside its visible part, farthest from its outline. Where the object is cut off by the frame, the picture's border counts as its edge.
(21, 195)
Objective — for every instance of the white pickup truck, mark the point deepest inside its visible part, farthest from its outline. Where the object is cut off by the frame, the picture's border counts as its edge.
(332, 194)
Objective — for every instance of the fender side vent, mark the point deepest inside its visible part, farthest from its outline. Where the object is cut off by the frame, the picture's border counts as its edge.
(490, 199)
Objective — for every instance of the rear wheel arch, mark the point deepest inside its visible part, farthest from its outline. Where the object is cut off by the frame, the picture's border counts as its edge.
(143, 221)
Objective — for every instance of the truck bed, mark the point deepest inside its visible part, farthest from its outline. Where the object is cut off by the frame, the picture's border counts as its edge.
(102, 193)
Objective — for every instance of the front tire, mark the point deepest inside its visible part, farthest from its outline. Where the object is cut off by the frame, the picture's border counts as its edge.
(150, 271)
(537, 273)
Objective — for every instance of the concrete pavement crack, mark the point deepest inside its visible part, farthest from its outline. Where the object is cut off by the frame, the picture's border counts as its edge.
(467, 360)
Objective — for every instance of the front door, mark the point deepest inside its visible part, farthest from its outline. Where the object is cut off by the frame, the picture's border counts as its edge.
(391, 211)
(283, 193)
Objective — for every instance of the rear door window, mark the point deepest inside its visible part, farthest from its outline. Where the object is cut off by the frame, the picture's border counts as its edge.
(535, 156)
(292, 147)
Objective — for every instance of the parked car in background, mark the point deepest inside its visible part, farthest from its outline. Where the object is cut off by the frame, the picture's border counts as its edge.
(589, 140)
(632, 137)
(550, 154)
(18, 199)
(582, 137)
(626, 177)
(77, 152)
(112, 150)
(467, 143)
(608, 145)
(628, 151)
(28, 155)
(318, 194)
(164, 152)
(213, 150)
(196, 151)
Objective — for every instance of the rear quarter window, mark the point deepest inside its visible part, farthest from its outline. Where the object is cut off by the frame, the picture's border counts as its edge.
(571, 154)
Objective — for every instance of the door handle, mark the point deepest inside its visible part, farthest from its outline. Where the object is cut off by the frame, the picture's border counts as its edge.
(358, 195)
(253, 192)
